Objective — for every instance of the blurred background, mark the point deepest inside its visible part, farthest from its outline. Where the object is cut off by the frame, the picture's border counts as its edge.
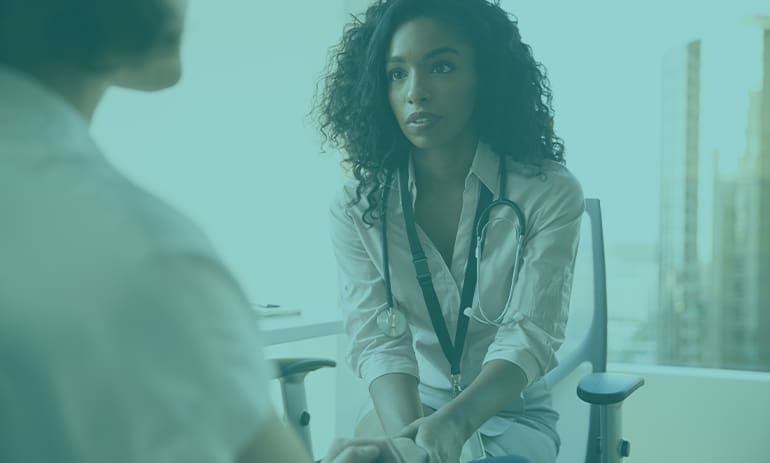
(664, 107)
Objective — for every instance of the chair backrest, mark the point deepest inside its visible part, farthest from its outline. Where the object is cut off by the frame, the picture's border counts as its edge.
(585, 347)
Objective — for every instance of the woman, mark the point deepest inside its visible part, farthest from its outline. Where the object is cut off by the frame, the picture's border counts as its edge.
(440, 108)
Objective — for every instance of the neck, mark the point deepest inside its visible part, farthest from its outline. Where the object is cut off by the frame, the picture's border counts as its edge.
(444, 167)
(84, 92)
(21, 48)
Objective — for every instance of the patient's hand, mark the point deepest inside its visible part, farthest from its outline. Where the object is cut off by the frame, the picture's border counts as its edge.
(384, 450)
(406, 451)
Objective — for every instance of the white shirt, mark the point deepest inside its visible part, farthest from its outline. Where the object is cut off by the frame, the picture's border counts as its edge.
(123, 338)
(553, 206)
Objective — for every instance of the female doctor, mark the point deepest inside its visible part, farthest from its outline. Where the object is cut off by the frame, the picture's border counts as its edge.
(445, 119)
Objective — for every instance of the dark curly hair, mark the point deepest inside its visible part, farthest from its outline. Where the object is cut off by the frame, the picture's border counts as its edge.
(514, 114)
(83, 33)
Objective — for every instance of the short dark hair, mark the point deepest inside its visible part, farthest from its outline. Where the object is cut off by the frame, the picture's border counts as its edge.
(513, 114)
(83, 33)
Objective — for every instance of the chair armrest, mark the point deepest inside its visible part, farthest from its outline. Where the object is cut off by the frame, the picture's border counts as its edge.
(291, 366)
(607, 388)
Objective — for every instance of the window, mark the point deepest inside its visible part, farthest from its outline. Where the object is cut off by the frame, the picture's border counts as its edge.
(661, 106)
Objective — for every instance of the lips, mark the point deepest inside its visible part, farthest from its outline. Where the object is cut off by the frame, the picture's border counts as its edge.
(422, 118)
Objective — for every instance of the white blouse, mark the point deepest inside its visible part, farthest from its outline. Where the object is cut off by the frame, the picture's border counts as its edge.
(553, 206)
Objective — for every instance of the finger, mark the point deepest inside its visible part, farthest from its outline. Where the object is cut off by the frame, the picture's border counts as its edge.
(391, 454)
(406, 451)
(434, 456)
(409, 430)
(431, 449)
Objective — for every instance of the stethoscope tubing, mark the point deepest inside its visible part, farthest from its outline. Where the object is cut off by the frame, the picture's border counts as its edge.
(480, 242)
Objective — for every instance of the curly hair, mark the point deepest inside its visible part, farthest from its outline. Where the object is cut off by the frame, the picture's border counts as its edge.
(84, 33)
(513, 114)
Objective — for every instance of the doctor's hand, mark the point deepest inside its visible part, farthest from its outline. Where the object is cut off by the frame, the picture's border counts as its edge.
(383, 450)
(441, 438)
(404, 450)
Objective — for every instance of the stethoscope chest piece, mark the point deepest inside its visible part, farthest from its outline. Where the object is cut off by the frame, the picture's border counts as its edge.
(392, 322)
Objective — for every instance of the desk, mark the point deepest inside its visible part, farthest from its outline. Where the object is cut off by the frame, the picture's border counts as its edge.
(308, 325)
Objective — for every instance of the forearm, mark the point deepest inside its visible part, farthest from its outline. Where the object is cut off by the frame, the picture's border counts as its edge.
(498, 384)
(396, 400)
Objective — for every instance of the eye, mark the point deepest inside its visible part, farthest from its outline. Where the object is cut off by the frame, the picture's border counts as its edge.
(396, 74)
(443, 67)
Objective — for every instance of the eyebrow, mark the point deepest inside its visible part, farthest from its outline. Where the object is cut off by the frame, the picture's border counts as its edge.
(430, 54)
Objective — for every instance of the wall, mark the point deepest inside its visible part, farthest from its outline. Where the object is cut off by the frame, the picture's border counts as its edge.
(232, 145)
(698, 415)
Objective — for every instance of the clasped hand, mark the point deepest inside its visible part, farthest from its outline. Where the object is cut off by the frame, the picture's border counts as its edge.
(441, 438)
(382, 450)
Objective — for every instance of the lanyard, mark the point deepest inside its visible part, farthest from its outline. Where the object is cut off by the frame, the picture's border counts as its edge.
(452, 353)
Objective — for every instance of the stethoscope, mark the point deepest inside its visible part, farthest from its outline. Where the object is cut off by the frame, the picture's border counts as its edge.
(393, 323)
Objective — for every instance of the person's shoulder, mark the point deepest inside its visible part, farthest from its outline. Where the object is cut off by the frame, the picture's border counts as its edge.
(548, 173)
(347, 190)
(148, 223)
(562, 181)
(158, 224)
(83, 235)
(345, 199)
(548, 185)
(157, 249)
(82, 209)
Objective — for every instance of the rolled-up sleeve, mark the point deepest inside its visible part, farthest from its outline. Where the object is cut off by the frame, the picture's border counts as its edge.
(361, 297)
(540, 300)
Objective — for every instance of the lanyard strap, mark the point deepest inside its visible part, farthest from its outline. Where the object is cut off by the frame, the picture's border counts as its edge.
(385, 256)
(452, 353)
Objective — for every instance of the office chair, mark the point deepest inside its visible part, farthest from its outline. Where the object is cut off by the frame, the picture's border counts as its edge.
(291, 373)
(585, 348)
(603, 392)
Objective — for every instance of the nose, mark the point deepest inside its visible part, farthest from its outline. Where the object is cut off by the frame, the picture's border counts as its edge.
(417, 91)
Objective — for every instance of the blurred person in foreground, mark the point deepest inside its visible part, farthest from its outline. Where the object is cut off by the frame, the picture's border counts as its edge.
(123, 336)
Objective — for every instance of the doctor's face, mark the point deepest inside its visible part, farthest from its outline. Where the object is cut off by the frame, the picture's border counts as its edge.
(431, 83)
(161, 66)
